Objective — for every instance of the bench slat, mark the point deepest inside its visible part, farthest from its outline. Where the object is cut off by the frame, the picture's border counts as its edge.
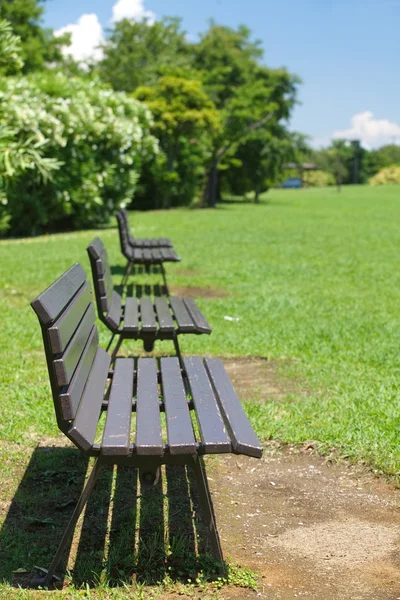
(137, 254)
(149, 323)
(63, 329)
(70, 398)
(197, 316)
(181, 438)
(116, 436)
(105, 282)
(96, 248)
(157, 254)
(65, 366)
(102, 263)
(147, 254)
(131, 314)
(184, 320)
(165, 320)
(49, 304)
(211, 424)
(84, 427)
(148, 425)
(114, 314)
(244, 440)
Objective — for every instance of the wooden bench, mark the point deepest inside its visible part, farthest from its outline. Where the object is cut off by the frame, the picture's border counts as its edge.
(142, 255)
(139, 391)
(142, 243)
(162, 318)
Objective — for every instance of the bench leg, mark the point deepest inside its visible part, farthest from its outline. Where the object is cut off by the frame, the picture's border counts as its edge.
(46, 580)
(208, 511)
(166, 290)
(117, 347)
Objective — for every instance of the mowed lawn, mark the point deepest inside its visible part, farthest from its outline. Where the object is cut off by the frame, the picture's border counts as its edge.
(312, 278)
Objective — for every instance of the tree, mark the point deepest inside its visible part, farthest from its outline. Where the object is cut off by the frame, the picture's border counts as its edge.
(38, 45)
(249, 96)
(10, 49)
(138, 53)
(258, 161)
(184, 121)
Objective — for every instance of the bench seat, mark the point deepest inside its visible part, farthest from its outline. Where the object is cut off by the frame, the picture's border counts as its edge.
(144, 318)
(146, 389)
(150, 243)
(168, 411)
(146, 252)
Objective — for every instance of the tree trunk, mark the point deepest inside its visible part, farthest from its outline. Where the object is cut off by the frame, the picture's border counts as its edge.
(257, 194)
(170, 168)
(211, 189)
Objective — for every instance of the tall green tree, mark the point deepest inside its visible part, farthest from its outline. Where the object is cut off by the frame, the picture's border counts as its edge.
(185, 120)
(38, 45)
(10, 49)
(250, 96)
(138, 52)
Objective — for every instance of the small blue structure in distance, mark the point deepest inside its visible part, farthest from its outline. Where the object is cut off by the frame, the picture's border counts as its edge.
(292, 182)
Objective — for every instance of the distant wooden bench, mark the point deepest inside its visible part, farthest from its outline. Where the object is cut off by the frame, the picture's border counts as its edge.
(148, 319)
(145, 254)
(139, 242)
(139, 391)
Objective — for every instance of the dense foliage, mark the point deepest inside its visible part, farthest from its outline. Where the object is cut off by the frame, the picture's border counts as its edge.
(387, 175)
(318, 179)
(71, 152)
(226, 68)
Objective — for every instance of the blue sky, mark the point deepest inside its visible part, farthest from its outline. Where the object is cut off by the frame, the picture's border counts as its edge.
(346, 52)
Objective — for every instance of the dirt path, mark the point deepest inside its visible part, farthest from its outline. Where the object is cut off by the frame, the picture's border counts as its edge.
(309, 528)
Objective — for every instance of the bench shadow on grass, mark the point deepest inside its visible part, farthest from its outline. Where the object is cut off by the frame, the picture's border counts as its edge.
(136, 288)
(123, 532)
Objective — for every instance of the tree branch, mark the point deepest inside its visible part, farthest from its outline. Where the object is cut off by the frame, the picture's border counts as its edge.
(222, 151)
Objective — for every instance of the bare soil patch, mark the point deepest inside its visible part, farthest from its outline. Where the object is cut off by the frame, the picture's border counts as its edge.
(198, 292)
(311, 529)
(256, 379)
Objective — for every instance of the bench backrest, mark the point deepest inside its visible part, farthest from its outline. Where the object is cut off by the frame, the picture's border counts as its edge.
(124, 236)
(66, 314)
(124, 214)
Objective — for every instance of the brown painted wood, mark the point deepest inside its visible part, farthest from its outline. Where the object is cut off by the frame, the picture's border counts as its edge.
(131, 315)
(116, 436)
(165, 320)
(63, 329)
(114, 314)
(148, 425)
(181, 438)
(147, 315)
(197, 316)
(71, 396)
(243, 438)
(50, 303)
(183, 318)
(83, 429)
(65, 366)
(213, 433)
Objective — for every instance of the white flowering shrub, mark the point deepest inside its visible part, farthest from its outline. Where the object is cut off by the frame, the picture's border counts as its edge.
(77, 152)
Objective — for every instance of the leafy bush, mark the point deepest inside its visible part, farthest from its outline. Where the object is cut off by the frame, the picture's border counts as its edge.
(386, 175)
(318, 179)
(71, 152)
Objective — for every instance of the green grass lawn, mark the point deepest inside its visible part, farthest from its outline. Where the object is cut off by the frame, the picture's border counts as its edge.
(313, 277)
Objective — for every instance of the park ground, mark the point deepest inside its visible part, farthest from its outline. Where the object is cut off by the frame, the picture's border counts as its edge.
(303, 295)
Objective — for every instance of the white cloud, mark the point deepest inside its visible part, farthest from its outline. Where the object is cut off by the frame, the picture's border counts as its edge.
(131, 9)
(372, 132)
(86, 35)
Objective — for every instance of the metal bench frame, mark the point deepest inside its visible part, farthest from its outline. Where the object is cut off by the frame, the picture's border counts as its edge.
(78, 370)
